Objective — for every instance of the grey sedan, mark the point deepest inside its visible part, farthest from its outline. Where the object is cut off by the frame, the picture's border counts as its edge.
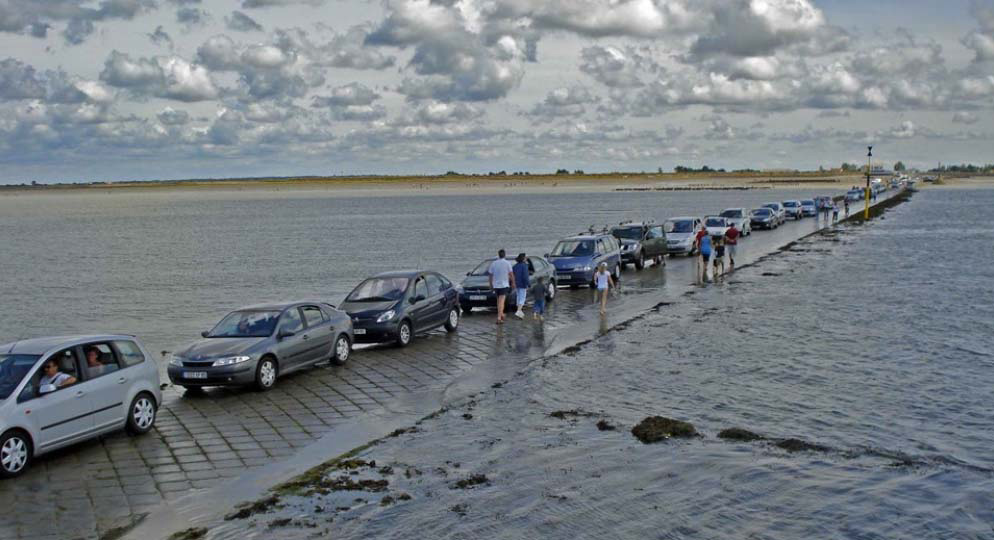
(254, 345)
(57, 391)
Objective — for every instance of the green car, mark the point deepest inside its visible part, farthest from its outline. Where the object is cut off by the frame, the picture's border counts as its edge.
(641, 242)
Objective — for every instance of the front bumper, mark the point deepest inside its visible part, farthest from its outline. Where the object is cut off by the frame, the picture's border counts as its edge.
(679, 249)
(629, 256)
(236, 375)
(762, 224)
(574, 277)
(374, 332)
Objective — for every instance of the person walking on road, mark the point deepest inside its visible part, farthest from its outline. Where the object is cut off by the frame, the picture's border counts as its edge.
(846, 203)
(538, 298)
(705, 247)
(835, 212)
(521, 283)
(732, 240)
(602, 278)
(719, 255)
(501, 281)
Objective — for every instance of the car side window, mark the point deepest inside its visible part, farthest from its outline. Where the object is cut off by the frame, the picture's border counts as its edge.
(420, 289)
(290, 321)
(655, 232)
(312, 315)
(446, 284)
(434, 284)
(99, 360)
(65, 374)
(129, 353)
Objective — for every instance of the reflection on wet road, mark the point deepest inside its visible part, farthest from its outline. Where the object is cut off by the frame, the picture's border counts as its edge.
(200, 441)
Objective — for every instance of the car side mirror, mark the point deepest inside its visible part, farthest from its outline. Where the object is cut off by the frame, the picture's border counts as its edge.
(205, 333)
(46, 389)
(470, 273)
(546, 255)
(283, 334)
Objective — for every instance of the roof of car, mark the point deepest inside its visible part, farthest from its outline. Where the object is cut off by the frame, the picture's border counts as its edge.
(587, 236)
(681, 218)
(399, 273)
(278, 306)
(44, 344)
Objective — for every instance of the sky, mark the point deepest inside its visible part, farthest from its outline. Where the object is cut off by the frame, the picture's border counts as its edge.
(110, 90)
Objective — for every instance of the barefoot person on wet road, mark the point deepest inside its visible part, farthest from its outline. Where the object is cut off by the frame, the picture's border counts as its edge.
(602, 278)
(731, 241)
(501, 281)
(705, 247)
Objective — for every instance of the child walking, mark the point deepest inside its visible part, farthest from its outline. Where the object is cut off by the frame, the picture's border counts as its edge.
(538, 298)
(602, 278)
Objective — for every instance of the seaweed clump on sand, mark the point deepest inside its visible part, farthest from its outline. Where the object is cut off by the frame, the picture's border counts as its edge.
(797, 445)
(604, 425)
(471, 482)
(739, 434)
(193, 533)
(658, 428)
(572, 413)
(245, 510)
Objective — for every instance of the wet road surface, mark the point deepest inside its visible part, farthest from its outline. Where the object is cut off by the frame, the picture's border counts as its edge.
(203, 441)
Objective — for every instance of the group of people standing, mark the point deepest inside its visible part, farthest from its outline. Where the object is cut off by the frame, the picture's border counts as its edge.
(715, 247)
(506, 278)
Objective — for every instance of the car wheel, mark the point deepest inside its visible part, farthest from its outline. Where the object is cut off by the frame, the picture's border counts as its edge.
(640, 262)
(404, 333)
(15, 453)
(550, 291)
(265, 374)
(141, 414)
(342, 350)
(617, 273)
(453, 321)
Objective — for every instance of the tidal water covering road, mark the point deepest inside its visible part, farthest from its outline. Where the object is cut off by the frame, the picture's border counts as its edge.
(868, 342)
(202, 445)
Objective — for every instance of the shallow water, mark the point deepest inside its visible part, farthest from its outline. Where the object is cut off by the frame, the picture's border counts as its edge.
(874, 342)
(167, 265)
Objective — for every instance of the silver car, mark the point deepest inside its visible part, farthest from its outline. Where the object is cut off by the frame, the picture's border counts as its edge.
(256, 344)
(57, 391)
(681, 233)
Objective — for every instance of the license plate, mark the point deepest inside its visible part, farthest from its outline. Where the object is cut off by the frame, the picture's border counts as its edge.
(359, 331)
(194, 374)
(477, 297)
(563, 275)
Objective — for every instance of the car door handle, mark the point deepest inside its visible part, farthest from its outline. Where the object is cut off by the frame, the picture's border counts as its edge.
(80, 393)
(122, 380)
(304, 337)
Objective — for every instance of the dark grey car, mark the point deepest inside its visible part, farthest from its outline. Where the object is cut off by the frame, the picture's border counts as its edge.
(256, 344)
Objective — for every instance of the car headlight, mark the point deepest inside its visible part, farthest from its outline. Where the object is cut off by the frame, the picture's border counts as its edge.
(588, 268)
(230, 360)
(175, 360)
(386, 316)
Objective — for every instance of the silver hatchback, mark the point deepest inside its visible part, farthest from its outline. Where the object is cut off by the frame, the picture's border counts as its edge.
(58, 391)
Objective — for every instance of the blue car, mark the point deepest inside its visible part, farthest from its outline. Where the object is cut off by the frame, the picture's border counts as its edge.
(576, 258)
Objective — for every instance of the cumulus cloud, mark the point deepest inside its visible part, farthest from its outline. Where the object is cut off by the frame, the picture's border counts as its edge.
(962, 117)
(564, 101)
(191, 16)
(240, 22)
(22, 81)
(168, 77)
(276, 70)
(172, 117)
(34, 17)
(352, 102)
(161, 38)
(616, 67)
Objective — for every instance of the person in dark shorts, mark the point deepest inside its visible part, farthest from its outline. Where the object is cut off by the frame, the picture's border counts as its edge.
(705, 247)
(732, 241)
(501, 281)
(538, 295)
(719, 255)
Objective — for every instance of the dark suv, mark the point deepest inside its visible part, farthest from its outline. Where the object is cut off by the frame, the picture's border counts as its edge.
(576, 258)
(640, 241)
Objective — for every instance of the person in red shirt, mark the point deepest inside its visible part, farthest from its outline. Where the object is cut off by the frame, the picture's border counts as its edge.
(697, 245)
(731, 240)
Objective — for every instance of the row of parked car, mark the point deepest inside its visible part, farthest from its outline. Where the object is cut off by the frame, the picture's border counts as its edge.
(57, 391)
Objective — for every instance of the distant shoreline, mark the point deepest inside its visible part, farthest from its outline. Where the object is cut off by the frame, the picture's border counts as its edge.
(453, 184)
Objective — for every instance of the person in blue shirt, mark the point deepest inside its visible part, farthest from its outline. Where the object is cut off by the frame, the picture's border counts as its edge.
(705, 253)
(521, 283)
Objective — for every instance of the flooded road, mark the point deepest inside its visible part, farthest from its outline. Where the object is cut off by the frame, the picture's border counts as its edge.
(876, 356)
(204, 445)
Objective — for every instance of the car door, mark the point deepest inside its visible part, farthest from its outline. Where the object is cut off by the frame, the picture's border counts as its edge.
(655, 241)
(436, 297)
(419, 308)
(101, 369)
(60, 417)
(292, 339)
(318, 333)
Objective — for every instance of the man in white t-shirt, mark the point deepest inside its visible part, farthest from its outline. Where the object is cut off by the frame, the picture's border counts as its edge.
(52, 375)
(501, 281)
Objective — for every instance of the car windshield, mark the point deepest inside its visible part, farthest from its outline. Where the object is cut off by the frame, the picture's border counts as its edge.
(762, 212)
(732, 213)
(484, 268)
(715, 222)
(13, 369)
(807, 202)
(681, 226)
(790, 204)
(573, 248)
(246, 324)
(380, 289)
(628, 233)
(770, 205)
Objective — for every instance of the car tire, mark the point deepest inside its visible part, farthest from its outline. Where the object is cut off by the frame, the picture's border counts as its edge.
(640, 262)
(15, 453)
(341, 350)
(550, 291)
(617, 274)
(404, 333)
(141, 414)
(266, 374)
(452, 321)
